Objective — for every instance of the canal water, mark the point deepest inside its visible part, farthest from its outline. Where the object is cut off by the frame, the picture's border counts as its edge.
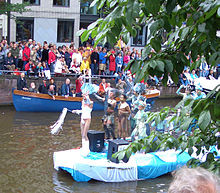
(26, 155)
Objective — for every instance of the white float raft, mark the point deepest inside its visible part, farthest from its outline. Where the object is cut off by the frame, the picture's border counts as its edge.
(139, 167)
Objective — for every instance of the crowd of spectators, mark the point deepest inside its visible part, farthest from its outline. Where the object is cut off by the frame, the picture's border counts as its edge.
(48, 59)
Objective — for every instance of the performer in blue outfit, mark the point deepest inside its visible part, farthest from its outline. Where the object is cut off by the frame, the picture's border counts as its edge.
(140, 118)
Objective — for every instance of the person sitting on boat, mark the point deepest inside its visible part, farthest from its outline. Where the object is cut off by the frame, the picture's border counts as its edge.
(211, 75)
(108, 122)
(51, 82)
(65, 89)
(51, 91)
(32, 88)
(85, 112)
(140, 118)
(43, 87)
(193, 76)
(22, 83)
(102, 87)
(123, 114)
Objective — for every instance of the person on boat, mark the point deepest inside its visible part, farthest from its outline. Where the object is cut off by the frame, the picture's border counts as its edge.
(211, 75)
(43, 87)
(51, 82)
(102, 87)
(22, 83)
(198, 94)
(121, 86)
(32, 88)
(65, 89)
(193, 76)
(85, 112)
(108, 122)
(51, 91)
(140, 118)
(123, 114)
(186, 94)
(79, 83)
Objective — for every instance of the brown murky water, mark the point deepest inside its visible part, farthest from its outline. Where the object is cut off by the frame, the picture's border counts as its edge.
(26, 153)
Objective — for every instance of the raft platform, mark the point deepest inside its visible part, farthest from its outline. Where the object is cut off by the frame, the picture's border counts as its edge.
(139, 167)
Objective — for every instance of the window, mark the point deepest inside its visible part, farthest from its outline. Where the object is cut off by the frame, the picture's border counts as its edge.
(85, 8)
(33, 2)
(24, 29)
(63, 3)
(141, 38)
(65, 29)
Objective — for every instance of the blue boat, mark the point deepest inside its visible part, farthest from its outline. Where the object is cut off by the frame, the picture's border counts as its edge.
(36, 102)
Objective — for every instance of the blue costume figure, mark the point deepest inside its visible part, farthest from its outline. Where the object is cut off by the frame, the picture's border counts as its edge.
(138, 90)
(140, 118)
(198, 94)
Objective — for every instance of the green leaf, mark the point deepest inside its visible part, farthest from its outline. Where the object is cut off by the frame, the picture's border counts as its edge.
(212, 58)
(113, 3)
(153, 64)
(101, 4)
(85, 36)
(92, 25)
(201, 27)
(218, 12)
(94, 3)
(169, 65)
(204, 119)
(186, 123)
(79, 33)
(171, 4)
(185, 31)
(146, 52)
(156, 44)
(152, 6)
(160, 65)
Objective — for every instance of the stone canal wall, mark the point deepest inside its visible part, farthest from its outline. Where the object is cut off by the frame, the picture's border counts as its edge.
(9, 82)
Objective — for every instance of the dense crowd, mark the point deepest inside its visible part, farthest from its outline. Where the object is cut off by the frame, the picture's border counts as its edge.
(44, 60)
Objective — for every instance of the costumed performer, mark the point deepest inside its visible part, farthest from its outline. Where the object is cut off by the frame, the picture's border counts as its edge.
(87, 106)
(123, 114)
(140, 118)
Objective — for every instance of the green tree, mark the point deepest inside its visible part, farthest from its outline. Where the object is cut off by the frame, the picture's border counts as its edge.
(197, 36)
(15, 7)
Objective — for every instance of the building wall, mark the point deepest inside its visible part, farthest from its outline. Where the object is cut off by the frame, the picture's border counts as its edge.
(3, 26)
(46, 16)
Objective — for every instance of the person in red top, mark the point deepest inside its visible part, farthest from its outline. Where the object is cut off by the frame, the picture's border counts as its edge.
(79, 83)
(102, 87)
(112, 63)
(51, 59)
(26, 55)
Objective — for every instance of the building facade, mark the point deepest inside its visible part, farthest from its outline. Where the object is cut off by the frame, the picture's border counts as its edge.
(55, 21)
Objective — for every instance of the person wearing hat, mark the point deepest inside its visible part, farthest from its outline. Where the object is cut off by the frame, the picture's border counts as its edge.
(199, 94)
(85, 65)
(140, 118)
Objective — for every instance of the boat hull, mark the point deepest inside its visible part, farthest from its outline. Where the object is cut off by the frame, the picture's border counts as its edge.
(34, 102)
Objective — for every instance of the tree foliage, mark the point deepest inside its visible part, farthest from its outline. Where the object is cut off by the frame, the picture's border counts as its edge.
(12, 7)
(197, 35)
(190, 26)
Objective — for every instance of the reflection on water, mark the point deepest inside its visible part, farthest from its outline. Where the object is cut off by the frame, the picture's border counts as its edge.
(27, 148)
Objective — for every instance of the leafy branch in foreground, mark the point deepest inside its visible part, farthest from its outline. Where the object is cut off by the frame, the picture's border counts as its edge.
(194, 126)
(164, 19)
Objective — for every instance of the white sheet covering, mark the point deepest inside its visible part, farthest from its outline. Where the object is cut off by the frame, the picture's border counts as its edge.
(102, 169)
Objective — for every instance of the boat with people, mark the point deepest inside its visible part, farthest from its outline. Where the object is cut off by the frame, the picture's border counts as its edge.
(36, 102)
